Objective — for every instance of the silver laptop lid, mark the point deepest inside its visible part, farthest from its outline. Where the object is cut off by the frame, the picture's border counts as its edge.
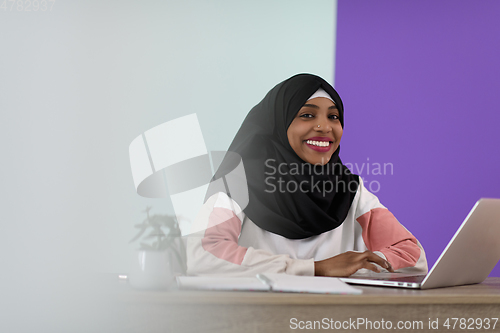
(473, 251)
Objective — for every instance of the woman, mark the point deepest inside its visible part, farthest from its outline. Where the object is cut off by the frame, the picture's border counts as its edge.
(306, 212)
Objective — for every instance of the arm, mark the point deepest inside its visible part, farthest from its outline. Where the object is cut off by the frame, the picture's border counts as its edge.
(384, 235)
(215, 251)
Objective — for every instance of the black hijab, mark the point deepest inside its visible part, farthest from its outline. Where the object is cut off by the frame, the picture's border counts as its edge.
(262, 143)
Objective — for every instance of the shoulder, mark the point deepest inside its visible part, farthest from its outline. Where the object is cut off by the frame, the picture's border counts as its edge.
(218, 208)
(222, 201)
(365, 201)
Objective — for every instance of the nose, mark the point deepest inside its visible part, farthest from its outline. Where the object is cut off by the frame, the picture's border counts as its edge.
(322, 125)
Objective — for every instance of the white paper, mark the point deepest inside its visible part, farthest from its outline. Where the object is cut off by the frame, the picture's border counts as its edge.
(309, 284)
(221, 283)
(266, 282)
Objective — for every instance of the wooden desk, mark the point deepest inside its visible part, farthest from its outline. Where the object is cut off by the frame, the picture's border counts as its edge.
(197, 311)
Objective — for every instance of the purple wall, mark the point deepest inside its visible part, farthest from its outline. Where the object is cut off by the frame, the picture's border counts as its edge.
(420, 81)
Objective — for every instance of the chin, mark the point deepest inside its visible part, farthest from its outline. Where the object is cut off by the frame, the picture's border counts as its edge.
(320, 161)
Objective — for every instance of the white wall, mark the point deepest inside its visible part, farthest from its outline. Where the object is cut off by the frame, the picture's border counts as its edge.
(80, 82)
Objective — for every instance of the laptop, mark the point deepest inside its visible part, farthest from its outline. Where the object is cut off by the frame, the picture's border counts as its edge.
(468, 258)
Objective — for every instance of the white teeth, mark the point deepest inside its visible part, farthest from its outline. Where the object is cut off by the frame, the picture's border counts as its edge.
(318, 143)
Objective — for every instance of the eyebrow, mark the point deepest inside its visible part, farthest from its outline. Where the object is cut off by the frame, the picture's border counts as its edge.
(333, 107)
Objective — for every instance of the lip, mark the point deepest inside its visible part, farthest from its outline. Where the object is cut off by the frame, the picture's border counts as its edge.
(322, 139)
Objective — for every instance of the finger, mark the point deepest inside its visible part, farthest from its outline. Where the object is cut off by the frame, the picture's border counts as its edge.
(380, 261)
(371, 267)
(390, 269)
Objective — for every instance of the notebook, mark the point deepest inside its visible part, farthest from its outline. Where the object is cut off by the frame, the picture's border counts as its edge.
(468, 258)
(269, 282)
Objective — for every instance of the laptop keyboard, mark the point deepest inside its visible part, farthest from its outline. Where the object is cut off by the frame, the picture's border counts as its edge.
(414, 279)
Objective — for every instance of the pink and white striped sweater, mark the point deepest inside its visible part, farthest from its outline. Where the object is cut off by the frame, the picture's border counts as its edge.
(231, 244)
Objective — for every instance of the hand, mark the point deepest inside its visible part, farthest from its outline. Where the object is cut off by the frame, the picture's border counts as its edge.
(348, 263)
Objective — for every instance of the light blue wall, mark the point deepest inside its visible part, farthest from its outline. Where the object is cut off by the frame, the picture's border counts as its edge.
(80, 81)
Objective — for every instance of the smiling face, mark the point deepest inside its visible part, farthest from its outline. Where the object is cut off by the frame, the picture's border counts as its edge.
(311, 143)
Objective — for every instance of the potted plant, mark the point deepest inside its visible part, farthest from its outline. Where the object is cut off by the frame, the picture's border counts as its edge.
(161, 254)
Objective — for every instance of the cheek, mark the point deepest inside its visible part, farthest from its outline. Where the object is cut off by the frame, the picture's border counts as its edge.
(294, 134)
(292, 139)
(338, 132)
(289, 135)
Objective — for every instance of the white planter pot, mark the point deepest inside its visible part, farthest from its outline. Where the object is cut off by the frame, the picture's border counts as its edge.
(152, 269)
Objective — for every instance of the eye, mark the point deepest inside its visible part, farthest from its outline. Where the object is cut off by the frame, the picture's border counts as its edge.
(306, 115)
(333, 117)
